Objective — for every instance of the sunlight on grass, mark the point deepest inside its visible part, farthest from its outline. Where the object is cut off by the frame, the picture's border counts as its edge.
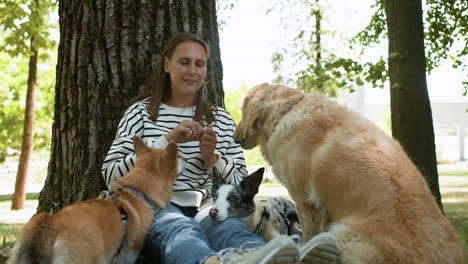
(10, 231)
(457, 213)
(457, 173)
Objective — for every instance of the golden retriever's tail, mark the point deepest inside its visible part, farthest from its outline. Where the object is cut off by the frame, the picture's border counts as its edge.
(35, 244)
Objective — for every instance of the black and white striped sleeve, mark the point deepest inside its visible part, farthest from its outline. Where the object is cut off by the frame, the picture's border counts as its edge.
(121, 156)
(232, 162)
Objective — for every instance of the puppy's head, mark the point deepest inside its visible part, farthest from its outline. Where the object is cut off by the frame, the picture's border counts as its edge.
(236, 200)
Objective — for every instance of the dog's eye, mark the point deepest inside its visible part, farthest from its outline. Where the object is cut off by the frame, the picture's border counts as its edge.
(232, 198)
(234, 201)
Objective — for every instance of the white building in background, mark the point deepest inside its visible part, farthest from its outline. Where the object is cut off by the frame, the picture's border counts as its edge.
(450, 123)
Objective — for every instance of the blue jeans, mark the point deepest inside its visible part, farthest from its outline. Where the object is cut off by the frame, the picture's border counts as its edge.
(175, 238)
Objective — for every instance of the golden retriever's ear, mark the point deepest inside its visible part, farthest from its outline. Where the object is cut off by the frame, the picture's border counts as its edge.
(252, 113)
(139, 145)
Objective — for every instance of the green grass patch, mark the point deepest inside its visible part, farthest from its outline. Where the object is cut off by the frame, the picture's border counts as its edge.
(458, 173)
(10, 231)
(454, 185)
(457, 195)
(29, 196)
(457, 213)
(8, 234)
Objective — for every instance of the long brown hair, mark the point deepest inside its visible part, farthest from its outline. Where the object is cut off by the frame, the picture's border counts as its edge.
(159, 82)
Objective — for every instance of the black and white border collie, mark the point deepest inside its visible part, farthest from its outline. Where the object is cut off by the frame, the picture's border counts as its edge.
(267, 218)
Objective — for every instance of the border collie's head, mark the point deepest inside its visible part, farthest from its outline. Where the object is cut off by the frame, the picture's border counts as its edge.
(234, 200)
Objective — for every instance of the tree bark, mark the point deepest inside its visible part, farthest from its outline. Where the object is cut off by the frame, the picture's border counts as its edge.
(318, 43)
(411, 111)
(106, 49)
(19, 195)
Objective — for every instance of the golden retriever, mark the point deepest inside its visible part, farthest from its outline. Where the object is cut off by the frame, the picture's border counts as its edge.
(347, 177)
(93, 231)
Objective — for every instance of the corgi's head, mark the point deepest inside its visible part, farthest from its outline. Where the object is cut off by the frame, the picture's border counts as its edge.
(234, 200)
(154, 172)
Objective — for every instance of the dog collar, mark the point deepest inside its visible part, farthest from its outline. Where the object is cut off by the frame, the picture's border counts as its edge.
(142, 197)
(106, 194)
(260, 228)
(123, 217)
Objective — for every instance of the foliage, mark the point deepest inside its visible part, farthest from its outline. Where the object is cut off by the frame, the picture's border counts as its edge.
(24, 20)
(446, 33)
(233, 103)
(446, 38)
(18, 25)
(13, 78)
(223, 9)
(317, 65)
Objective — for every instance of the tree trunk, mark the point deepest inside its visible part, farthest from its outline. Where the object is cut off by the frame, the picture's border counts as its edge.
(106, 49)
(19, 195)
(410, 106)
(318, 44)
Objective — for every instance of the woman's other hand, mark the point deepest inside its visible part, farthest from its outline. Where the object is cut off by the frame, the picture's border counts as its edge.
(186, 131)
(208, 142)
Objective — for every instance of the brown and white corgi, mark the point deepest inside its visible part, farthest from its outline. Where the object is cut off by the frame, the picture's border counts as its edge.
(106, 230)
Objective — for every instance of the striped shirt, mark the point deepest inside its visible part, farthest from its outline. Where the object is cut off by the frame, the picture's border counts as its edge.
(193, 184)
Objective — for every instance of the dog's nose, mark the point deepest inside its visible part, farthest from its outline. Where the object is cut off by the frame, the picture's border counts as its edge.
(213, 212)
(238, 140)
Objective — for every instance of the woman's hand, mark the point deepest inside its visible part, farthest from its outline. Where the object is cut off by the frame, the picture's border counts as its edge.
(208, 142)
(185, 131)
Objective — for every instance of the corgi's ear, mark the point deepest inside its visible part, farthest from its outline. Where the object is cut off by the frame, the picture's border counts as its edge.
(139, 145)
(218, 179)
(251, 183)
(171, 150)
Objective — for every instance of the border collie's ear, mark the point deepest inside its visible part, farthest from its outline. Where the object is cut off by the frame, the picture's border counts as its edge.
(218, 179)
(139, 145)
(251, 183)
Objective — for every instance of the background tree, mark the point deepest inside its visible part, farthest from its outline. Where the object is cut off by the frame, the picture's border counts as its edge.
(411, 110)
(311, 61)
(27, 24)
(105, 51)
(446, 39)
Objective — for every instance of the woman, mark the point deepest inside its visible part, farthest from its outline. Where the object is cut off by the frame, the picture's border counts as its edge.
(177, 111)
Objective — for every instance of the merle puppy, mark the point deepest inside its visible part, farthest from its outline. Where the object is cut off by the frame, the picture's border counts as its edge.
(267, 218)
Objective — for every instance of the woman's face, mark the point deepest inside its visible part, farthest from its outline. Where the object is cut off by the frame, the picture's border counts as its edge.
(187, 68)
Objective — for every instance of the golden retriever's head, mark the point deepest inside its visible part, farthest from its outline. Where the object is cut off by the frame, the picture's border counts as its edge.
(260, 110)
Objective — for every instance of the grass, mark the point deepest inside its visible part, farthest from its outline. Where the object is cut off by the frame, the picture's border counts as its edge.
(453, 184)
